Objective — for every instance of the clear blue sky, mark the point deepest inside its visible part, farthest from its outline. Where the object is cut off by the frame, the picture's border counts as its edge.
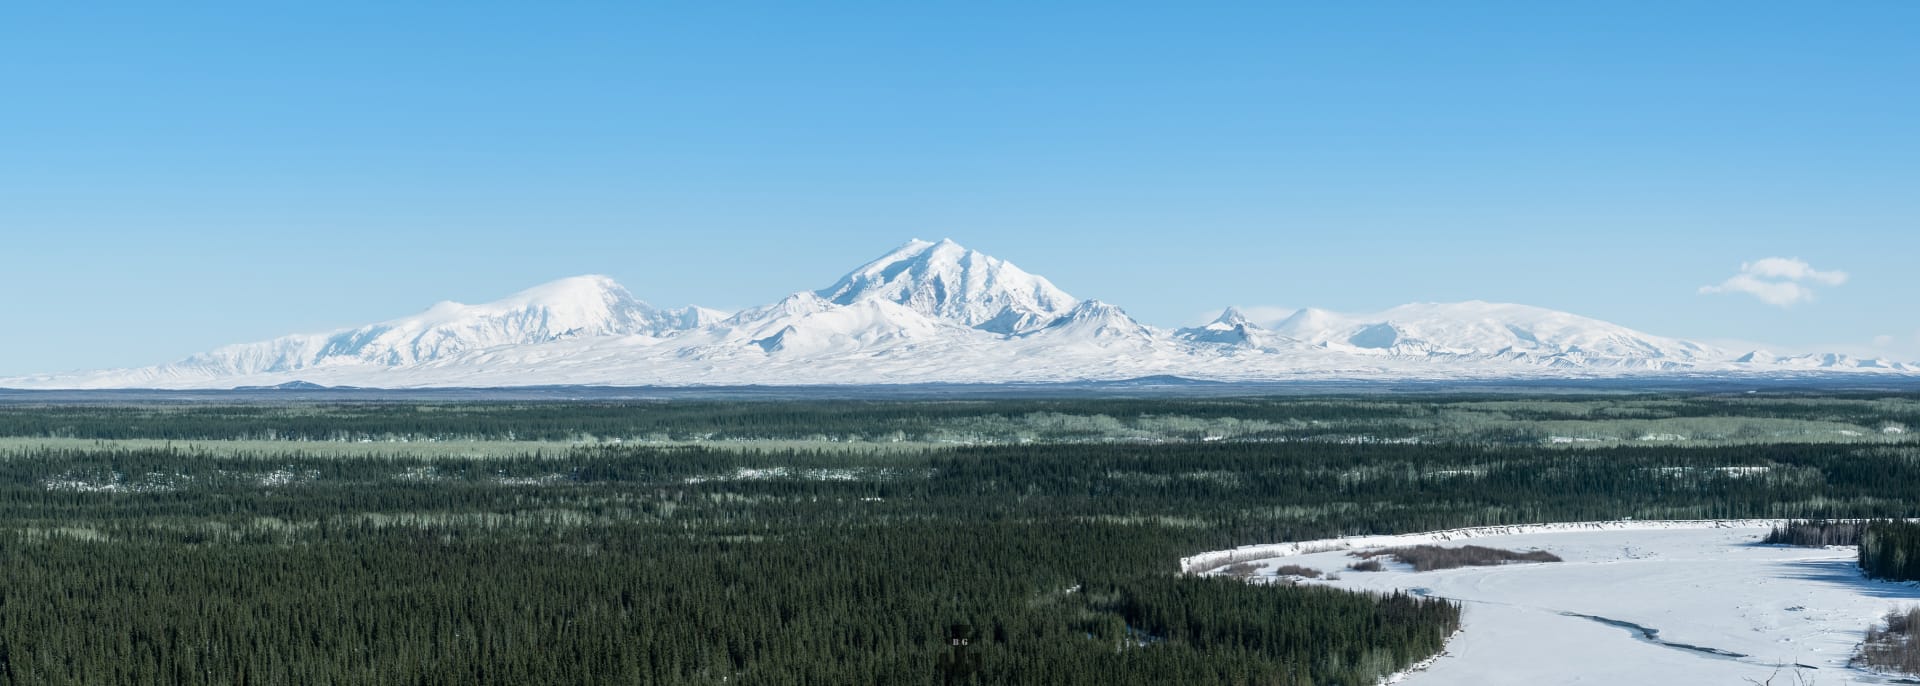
(174, 176)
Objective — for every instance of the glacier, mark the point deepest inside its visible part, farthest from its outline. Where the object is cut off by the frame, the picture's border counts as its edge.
(936, 312)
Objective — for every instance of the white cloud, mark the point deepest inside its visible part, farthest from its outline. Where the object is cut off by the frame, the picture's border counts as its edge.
(1792, 269)
(1781, 293)
(1898, 347)
(1778, 281)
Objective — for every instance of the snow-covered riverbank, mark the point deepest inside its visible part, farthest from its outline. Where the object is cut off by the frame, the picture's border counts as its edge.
(1672, 602)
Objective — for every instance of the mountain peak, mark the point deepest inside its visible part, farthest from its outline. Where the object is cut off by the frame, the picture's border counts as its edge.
(1308, 323)
(1092, 318)
(587, 291)
(589, 303)
(1232, 328)
(947, 280)
(1231, 318)
(579, 282)
(802, 302)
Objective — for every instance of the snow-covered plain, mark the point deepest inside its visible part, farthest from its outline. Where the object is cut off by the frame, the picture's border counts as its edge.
(1723, 609)
(934, 313)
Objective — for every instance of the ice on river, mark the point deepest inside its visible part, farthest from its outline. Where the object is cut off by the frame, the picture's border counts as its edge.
(1638, 604)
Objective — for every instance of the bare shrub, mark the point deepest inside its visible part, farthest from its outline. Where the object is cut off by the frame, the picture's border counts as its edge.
(1798, 675)
(1241, 570)
(1369, 565)
(1893, 648)
(1297, 570)
(1427, 558)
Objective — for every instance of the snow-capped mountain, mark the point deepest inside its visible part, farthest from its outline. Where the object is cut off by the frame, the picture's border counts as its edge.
(933, 312)
(577, 307)
(682, 318)
(1482, 329)
(1231, 328)
(951, 282)
(1092, 320)
(1819, 361)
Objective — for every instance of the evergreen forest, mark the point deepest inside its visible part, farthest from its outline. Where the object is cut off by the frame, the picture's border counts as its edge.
(816, 543)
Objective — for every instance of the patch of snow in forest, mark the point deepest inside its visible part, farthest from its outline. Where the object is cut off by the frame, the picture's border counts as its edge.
(283, 477)
(542, 480)
(1752, 470)
(116, 482)
(1562, 440)
(833, 474)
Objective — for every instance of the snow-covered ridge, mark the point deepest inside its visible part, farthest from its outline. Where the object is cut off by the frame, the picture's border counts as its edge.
(1516, 332)
(934, 312)
(577, 307)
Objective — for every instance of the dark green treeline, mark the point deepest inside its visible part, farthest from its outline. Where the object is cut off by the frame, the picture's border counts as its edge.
(1891, 550)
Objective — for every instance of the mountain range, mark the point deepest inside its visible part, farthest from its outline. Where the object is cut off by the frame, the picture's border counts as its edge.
(934, 312)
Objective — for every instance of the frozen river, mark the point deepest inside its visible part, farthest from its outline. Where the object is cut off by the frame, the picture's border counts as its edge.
(1633, 603)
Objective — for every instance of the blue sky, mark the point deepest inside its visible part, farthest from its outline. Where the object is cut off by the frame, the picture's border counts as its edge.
(175, 176)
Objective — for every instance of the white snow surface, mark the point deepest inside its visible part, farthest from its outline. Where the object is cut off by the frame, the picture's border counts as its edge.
(1699, 584)
(932, 313)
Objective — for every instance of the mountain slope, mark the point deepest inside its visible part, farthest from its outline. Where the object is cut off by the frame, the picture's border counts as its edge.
(1095, 321)
(804, 323)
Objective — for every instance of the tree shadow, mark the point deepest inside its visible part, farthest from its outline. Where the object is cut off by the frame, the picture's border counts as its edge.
(1846, 573)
